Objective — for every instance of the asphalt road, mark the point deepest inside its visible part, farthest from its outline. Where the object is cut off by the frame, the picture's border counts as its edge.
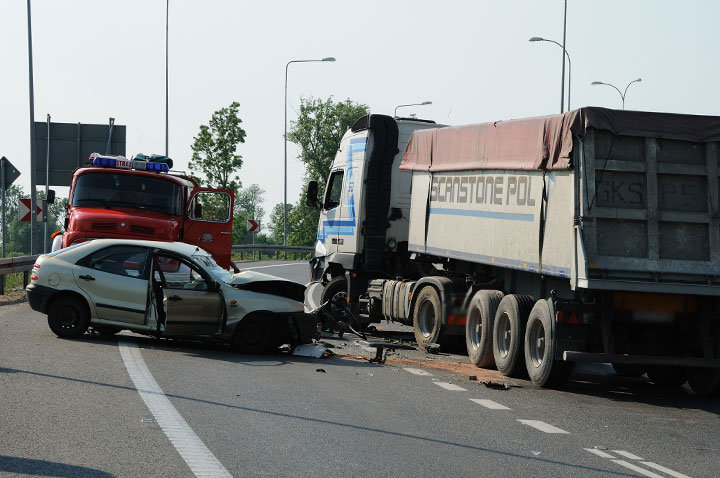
(132, 406)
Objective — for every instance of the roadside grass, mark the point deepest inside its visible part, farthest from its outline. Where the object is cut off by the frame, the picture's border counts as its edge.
(13, 281)
(270, 256)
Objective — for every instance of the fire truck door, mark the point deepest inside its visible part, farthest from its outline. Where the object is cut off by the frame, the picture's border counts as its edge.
(209, 222)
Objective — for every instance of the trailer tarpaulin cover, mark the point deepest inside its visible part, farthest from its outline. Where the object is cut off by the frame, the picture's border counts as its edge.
(544, 142)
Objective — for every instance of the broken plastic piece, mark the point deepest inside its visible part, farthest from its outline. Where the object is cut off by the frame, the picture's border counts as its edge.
(310, 350)
(473, 378)
(496, 385)
(432, 348)
(321, 370)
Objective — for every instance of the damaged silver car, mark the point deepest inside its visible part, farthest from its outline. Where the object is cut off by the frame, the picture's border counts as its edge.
(166, 290)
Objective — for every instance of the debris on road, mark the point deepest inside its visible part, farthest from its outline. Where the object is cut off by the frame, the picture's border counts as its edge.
(432, 348)
(310, 350)
(496, 385)
(321, 370)
(472, 378)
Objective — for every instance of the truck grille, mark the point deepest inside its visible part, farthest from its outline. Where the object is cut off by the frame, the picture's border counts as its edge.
(142, 230)
(103, 226)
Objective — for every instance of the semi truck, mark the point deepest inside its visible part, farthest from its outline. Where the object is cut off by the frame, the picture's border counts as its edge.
(117, 197)
(589, 236)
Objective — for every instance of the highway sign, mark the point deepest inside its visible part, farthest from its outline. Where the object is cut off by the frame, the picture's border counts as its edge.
(11, 172)
(24, 210)
(253, 225)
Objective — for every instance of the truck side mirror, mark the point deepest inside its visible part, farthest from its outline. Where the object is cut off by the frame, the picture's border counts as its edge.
(51, 196)
(312, 192)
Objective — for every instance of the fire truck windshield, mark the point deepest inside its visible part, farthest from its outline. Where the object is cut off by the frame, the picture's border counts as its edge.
(127, 190)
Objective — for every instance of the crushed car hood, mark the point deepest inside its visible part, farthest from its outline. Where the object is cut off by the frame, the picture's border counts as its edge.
(268, 284)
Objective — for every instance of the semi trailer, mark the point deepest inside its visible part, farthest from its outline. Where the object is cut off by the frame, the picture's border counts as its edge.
(589, 236)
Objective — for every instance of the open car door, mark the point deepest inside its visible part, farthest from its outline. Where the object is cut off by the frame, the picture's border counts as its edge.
(191, 303)
(209, 222)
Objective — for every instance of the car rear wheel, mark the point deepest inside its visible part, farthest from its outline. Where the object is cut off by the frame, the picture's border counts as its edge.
(68, 317)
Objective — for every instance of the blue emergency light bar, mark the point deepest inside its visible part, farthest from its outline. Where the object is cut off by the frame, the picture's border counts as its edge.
(121, 162)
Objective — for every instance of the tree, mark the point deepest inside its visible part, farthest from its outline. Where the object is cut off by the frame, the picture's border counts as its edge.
(318, 130)
(248, 205)
(215, 149)
(275, 223)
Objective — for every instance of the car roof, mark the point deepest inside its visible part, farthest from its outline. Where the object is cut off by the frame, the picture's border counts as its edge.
(178, 247)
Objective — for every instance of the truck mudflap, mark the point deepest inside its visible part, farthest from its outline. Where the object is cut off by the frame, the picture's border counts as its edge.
(695, 362)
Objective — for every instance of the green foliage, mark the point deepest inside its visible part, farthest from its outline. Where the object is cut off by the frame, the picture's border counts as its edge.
(304, 221)
(318, 130)
(18, 233)
(275, 223)
(215, 149)
(248, 205)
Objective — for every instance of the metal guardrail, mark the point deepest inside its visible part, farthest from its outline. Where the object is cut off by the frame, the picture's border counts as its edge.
(11, 265)
(269, 249)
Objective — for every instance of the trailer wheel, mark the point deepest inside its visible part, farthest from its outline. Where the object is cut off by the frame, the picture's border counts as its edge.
(427, 317)
(540, 345)
(628, 370)
(704, 381)
(479, 327)
(509, 332)
(666, 376)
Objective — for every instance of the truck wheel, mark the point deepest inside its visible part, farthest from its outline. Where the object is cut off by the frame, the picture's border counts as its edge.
(704, 381)
(508, 333)
(479, 327)
(427, 317)
(68, 317)
(335, 288)
(666, 376)
(628, 370)
(540, 346)
(253, 336)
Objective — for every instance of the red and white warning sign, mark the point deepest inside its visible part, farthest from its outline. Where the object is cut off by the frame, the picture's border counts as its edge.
(253, 225)
(24, 210)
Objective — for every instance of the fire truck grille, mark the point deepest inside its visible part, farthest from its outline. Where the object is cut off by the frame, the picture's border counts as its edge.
(103, 226)
(142, 230)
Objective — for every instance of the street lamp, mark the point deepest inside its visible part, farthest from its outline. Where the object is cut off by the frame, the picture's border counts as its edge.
(622, 95)
(569, 67)
(167, 22)
(329, 58)
(411, 104)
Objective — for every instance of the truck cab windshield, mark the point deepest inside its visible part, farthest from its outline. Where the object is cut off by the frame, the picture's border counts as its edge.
(127, 190)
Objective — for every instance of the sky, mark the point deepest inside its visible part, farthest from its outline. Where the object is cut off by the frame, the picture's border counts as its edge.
(94, 59)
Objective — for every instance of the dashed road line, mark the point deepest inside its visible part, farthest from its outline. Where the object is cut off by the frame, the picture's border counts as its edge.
(664, 470)
(198, 457)
(599, 453)
(419, 371)
(450, 386)
(489, 404)
(542, 426)
(627, 454)
(637, 469)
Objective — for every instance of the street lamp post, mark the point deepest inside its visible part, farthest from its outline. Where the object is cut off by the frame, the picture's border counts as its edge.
(622, 94)
(424, 103)
(569, 68)
(167, 23)
(329, 58)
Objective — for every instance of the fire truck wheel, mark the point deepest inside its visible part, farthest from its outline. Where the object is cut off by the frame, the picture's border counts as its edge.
(628, 370)
(479, 327)
(666, 376)
(68, 317)
(704, 382)
(509, 332)
(540, 345)
(253, 336)
(427, 317)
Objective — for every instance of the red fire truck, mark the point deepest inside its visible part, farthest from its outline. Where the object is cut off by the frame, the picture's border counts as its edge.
(129, 198)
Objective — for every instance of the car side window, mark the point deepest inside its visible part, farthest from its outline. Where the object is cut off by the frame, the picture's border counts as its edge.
(334, 190)
(178, 274)
(128, 261)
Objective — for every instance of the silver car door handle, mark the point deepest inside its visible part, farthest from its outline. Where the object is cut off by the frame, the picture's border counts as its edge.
(86, 277)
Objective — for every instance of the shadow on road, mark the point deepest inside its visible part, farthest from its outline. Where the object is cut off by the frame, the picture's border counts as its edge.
(29, 466)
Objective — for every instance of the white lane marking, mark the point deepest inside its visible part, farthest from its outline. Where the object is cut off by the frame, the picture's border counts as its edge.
(197, 456)
(637, 469)
(627, 454)
(542, 426)
(489, 404)
(419, 371)
(275, 265)
(664, 470)
(599, 453)
(450, 386)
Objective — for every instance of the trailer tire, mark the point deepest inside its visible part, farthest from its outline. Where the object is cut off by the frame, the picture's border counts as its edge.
(540, 346)
(427, 317)
(667, 376)
(705, 382)
(479, 327)
(628, 370)
(509, 333)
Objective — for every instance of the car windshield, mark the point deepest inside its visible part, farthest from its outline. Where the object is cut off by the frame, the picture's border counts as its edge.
(213, 268)
(128, 190)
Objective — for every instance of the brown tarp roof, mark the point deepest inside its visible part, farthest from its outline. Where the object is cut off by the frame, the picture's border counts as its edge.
(544, 142)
